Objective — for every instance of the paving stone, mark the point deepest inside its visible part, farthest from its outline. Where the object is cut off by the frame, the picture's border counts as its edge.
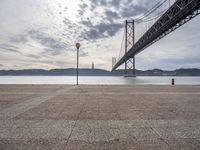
(99, 117)
(32, 144)
(80, 145)
(185, 143)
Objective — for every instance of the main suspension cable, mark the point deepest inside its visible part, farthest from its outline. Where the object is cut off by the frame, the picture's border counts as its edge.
(149, 12)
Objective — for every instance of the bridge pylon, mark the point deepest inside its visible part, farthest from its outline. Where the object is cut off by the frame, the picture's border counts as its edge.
(129, 42)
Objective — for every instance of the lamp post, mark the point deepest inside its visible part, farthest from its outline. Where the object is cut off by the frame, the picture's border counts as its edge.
(77, 47)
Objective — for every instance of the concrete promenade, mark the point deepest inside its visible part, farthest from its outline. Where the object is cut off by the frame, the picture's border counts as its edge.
(59, 117)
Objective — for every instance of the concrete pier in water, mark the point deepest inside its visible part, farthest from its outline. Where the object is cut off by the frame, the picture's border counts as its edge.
(99, 117)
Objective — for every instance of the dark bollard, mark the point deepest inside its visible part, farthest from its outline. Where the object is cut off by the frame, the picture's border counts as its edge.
(173, 81)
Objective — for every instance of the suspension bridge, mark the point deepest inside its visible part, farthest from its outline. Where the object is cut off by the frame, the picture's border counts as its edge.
(163, 18)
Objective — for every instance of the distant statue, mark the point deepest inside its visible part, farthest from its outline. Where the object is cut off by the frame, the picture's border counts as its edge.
(92, 65)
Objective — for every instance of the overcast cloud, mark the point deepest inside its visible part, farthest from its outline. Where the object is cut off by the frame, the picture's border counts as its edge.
(42, 34)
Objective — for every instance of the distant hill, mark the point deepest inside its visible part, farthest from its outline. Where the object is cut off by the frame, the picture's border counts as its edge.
(98, 72)
(178, 72)
(56, 72)
(159, 72)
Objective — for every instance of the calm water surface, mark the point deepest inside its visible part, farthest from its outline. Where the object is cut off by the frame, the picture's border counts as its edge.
(97, 80)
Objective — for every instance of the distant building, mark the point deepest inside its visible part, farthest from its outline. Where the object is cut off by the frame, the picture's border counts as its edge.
(92, 65)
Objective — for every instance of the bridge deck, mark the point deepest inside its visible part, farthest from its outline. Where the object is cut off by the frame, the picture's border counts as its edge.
(99, 117)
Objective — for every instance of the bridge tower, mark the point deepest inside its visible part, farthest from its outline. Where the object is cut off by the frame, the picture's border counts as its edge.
(129, 42)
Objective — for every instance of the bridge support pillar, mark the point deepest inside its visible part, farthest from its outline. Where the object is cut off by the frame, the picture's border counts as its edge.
(129, 42)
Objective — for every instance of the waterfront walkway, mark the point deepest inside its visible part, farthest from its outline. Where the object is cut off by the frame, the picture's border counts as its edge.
(99, 117)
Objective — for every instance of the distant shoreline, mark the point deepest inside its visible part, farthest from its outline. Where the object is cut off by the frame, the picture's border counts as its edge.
(94, 76)
(99, 72)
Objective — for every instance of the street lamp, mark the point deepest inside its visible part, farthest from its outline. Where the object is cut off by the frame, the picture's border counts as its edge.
(77, 47)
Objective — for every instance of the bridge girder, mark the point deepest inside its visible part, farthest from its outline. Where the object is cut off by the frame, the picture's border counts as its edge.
(178, 14)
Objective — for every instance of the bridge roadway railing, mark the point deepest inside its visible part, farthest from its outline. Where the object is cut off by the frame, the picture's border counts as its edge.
(178, 14)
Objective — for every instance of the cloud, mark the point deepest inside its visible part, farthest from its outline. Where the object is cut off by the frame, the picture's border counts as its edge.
(97, 3)
(52, 44)
(132, 10)
(111, 15)
(32, 56)
(105, 3)
(101, 30)
(110, 19)
(115, 3)
(49, 51)
(6, 45)
(124, 9)
(87, 23)
(84, 54)
(18, 39)
(66, 21)
(9, 48)
(1, 65)
(82, 9)
(83, 6)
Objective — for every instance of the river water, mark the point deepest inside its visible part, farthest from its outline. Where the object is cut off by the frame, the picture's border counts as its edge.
(98, 80)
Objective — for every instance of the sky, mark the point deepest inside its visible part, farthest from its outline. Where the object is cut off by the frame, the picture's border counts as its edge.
(41, 34)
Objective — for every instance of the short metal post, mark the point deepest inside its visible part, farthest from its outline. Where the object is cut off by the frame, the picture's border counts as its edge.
(173, 81)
